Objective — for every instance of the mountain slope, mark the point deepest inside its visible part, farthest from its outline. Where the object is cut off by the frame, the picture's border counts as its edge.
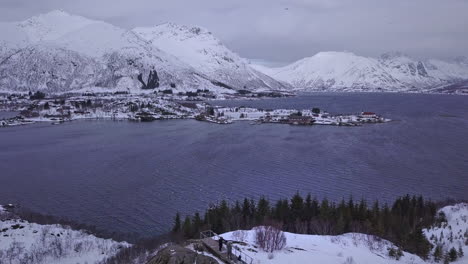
(345, 71)
(203, 51)
(127, 61)
(48, 68)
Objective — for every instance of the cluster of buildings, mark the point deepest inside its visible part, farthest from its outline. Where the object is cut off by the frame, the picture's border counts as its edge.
(290, 116)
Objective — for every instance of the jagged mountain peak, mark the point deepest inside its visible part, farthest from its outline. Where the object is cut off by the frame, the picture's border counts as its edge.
(175, 32)
(200, 49)
(192, 45)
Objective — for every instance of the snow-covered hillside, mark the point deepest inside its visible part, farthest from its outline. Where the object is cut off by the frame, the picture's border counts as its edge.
(24, 242)
(202, 50)
(349, 248)
(121, 57)
(345, 71)
(359, 248)
(452, 233)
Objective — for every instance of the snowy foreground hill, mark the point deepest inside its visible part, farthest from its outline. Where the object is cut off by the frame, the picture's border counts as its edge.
(351, 248)
(354, 248)
(345, 71)
(24, 242)
(57, 52)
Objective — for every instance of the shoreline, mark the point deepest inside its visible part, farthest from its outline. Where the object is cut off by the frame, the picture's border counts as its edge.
(151, 108)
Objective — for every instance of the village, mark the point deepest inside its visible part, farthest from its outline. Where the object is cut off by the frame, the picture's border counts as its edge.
(32, 108)
(226, 115)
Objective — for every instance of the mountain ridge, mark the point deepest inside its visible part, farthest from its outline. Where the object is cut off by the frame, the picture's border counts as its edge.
(346, 71)
(188, 58)
(123, 56)
(199, 48)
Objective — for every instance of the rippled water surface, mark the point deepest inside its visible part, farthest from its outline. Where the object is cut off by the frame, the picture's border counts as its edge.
(133, 177)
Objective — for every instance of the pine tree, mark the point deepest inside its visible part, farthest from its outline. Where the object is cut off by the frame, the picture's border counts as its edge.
(176, 227)
(245, 211)
(460, 252)
(422, 247)
(399, 253)
(197, 223)
(297, 207)
(263, 210)
(324, 209)
(453, 255)
(446, 259)
(438, 253)
(308, 208)
(187, 227)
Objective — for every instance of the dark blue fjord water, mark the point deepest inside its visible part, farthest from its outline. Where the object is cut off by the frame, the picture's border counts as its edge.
(133, 177)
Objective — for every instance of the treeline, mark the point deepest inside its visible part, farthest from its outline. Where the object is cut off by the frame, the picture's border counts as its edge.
(401, 222)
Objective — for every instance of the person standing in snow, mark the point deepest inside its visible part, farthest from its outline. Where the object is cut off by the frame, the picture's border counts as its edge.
(220, 244)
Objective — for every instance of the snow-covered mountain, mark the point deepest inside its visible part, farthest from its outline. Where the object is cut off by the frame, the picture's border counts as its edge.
(345, 71)
(58, 51)
(202, 50)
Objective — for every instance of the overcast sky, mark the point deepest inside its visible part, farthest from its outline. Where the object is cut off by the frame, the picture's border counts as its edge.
(284, 31)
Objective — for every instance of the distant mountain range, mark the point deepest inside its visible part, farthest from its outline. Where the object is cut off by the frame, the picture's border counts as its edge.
(60, 52)
(345, 71)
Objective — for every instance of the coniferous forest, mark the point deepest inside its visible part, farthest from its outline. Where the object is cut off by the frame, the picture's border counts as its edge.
(401, 222)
